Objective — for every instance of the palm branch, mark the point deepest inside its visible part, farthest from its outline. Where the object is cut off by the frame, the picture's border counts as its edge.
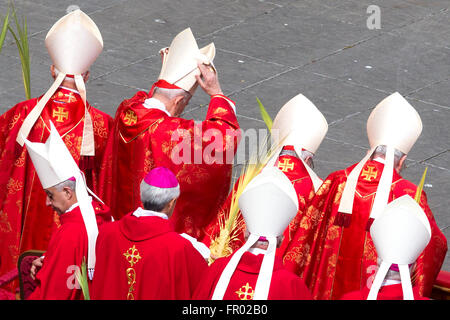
(229, 222)
(21, 38)
(420, 187)
(82, 279)
(4, 30)
(265, 115)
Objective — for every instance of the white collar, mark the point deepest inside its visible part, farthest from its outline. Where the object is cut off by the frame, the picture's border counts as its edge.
(388, 282)
(153, 103)
(70, 89)
(257, 251)
(139, 212)
(200, 246)
(380, 160)
(72, 207)
(76, 205)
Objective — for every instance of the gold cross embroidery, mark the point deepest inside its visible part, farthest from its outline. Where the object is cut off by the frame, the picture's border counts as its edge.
(369, 174)
(132, 255)
(71, 97)
(130, 118)
(286, 165)
(247, 292)
(61, 114)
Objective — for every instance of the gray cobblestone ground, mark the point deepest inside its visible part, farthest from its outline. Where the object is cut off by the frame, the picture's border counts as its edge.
(274, 50)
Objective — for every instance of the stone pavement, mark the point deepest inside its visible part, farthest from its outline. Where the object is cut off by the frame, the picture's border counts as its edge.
(274, 50)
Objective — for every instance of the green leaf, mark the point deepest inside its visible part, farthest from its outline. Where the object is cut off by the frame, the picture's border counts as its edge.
(420, 187)
(83, 280)
(4, 30)
(265, 116)
(21, 38)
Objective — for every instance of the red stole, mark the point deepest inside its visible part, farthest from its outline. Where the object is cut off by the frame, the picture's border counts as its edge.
(295, 170)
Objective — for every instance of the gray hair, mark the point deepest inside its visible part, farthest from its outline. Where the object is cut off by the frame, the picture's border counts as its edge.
(68, 183)
(380, 151)
(155, 199)
(172, 93)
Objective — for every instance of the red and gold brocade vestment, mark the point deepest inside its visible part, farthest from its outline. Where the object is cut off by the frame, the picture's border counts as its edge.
(147, 138)
(25, 221)
(340, 254)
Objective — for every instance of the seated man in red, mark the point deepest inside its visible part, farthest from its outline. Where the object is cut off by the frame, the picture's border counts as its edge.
(141, 257)
(400, 235)
(74, 240)
(254, 272)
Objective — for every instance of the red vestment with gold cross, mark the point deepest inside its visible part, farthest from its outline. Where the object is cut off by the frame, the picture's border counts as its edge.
(142, 258)
(26, 223)
(338, 254)
(284, 284)
(200, 154)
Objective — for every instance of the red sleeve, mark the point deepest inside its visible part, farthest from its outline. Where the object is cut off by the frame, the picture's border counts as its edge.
(197, 267)
(56, 279)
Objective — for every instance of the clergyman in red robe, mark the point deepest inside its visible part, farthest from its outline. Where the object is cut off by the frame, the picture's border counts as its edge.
(254, 272)
(399, 234)
(297, 132)
(341, 256)
(26, 223)
(140, 256)
(148, 133)
(74, 242)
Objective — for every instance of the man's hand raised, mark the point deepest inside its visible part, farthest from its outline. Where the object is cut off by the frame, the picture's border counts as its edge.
(208, 80)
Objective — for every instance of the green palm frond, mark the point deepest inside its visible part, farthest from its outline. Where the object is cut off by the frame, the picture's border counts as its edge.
(265, 115)
(230, 226)
(82, 279)
(21, 38)
(420, 186)
(4, 30)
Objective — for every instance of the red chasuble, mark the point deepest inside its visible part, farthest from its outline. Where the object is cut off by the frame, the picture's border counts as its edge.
(284, 284)
(388, 292)
(338, 254)
(147, 138)
(294, 169)
(68, 246)
(26, 223)
(144, 259)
